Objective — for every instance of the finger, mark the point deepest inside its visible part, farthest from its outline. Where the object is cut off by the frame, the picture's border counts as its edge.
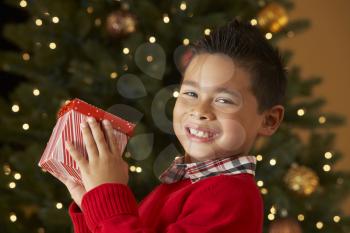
(79, 158)
(89, 141)
(98, 136)
(111, 138)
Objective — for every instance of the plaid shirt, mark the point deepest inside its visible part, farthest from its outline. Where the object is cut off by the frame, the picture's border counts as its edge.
(178, 170)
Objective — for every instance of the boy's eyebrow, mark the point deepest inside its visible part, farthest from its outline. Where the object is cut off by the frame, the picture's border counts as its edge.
(219, 89)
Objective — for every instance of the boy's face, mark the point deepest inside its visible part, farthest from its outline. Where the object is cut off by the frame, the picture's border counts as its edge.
(228, 121)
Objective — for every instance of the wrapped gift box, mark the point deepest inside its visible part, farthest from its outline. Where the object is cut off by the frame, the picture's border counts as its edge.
(56, 159)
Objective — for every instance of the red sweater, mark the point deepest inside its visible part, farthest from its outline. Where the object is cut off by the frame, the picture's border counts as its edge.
(223, 203)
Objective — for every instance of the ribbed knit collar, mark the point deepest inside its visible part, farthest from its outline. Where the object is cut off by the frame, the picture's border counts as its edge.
(178, 170)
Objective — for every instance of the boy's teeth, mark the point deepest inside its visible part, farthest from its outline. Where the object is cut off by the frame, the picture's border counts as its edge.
(199, 133)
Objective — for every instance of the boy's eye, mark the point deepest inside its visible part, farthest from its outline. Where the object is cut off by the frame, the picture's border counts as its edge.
(190, 93)
(225, 101)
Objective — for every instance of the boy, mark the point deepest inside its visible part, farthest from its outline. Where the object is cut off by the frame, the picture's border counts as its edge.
(231, 93)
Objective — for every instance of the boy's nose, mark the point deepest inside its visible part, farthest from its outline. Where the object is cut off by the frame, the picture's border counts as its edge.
(201, 114)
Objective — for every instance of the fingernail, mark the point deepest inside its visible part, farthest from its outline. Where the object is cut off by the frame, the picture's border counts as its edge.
(91, 119)
(106, 122)
(82, 124)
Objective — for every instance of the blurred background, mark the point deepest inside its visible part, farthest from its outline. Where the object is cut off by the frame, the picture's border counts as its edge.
(127, 56)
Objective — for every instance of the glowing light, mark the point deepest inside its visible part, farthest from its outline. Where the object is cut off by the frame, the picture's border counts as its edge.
(25, 126)
(183, 6)
(36, 92)
(301, 217)
(319, 225)
(152, 39)
(166, 18)
(260, 183)
(264, 191)
(207, 31)
(90, 9)
(55, 19)
(126, 50)
(13, 217)
(271, 217)
(38, 22)
(52, 45)
(336, 218)
(25, 56)
(138, 169)
(132, 168)
(186, 41)
(273, 162)
(59, 205)
(175, 94)
(15, 108)
(301, 112)
(268, 35)
(253, 22)
(23, 3)
(259, 157)
(114, 75)
(326, 167)
(328, 155)
(149, 58)
(12, 185)
(17, 176)
(322, 119)
(273, 210)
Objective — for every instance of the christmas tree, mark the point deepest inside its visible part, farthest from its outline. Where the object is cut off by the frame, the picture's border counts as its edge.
(126, 57)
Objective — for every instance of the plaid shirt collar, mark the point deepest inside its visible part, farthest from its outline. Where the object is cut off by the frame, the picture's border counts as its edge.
(178, 170)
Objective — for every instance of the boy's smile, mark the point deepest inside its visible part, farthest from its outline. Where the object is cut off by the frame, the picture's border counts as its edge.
(216, 114)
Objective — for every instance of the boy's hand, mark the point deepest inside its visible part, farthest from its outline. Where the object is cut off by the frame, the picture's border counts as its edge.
(105, 163)
(76, 190)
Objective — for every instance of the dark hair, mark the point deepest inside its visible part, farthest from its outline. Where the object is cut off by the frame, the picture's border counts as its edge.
(249, 49)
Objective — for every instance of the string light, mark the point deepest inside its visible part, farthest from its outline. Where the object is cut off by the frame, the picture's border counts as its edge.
(59, 205)
(319, 225)
(12, 185)
(264, 191)
(175, 94)
(336, 218)
(52, 45)
(138, 169)
(13, 217)
(152, 39)
(38, 22)
(7, 169)
(322, 119)
(149, 58)
(25, 126)
(186, 41)
(301, 217)
(166, 18)
(90, 9)
(259, 157)
(55, 19)
(301, 112)
(125, 67)
(25, 56)
(326, 167)
(207, 31)
(132, 168)
(98, 22)
(126, 50)
(260, 183)
(271, 217)
(23, 3)
(253, 22)
(328, 155)
(268, 35)
(114, 75)
(273, 162)
(15, 108)
(273, 210)
(36, 92)
(17, 176)
(183, 6)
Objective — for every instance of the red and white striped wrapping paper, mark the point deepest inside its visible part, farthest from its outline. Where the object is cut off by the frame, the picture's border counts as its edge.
(56, 159)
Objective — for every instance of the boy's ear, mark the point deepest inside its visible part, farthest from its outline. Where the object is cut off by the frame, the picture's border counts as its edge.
(272, 119)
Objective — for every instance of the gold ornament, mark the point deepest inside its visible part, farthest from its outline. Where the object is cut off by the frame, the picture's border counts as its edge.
(302, 180)
(285, 225)
(272, 17)
(120, 23)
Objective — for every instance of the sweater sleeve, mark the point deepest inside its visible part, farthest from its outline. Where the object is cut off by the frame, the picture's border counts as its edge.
(112, 208)
(78, 219)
